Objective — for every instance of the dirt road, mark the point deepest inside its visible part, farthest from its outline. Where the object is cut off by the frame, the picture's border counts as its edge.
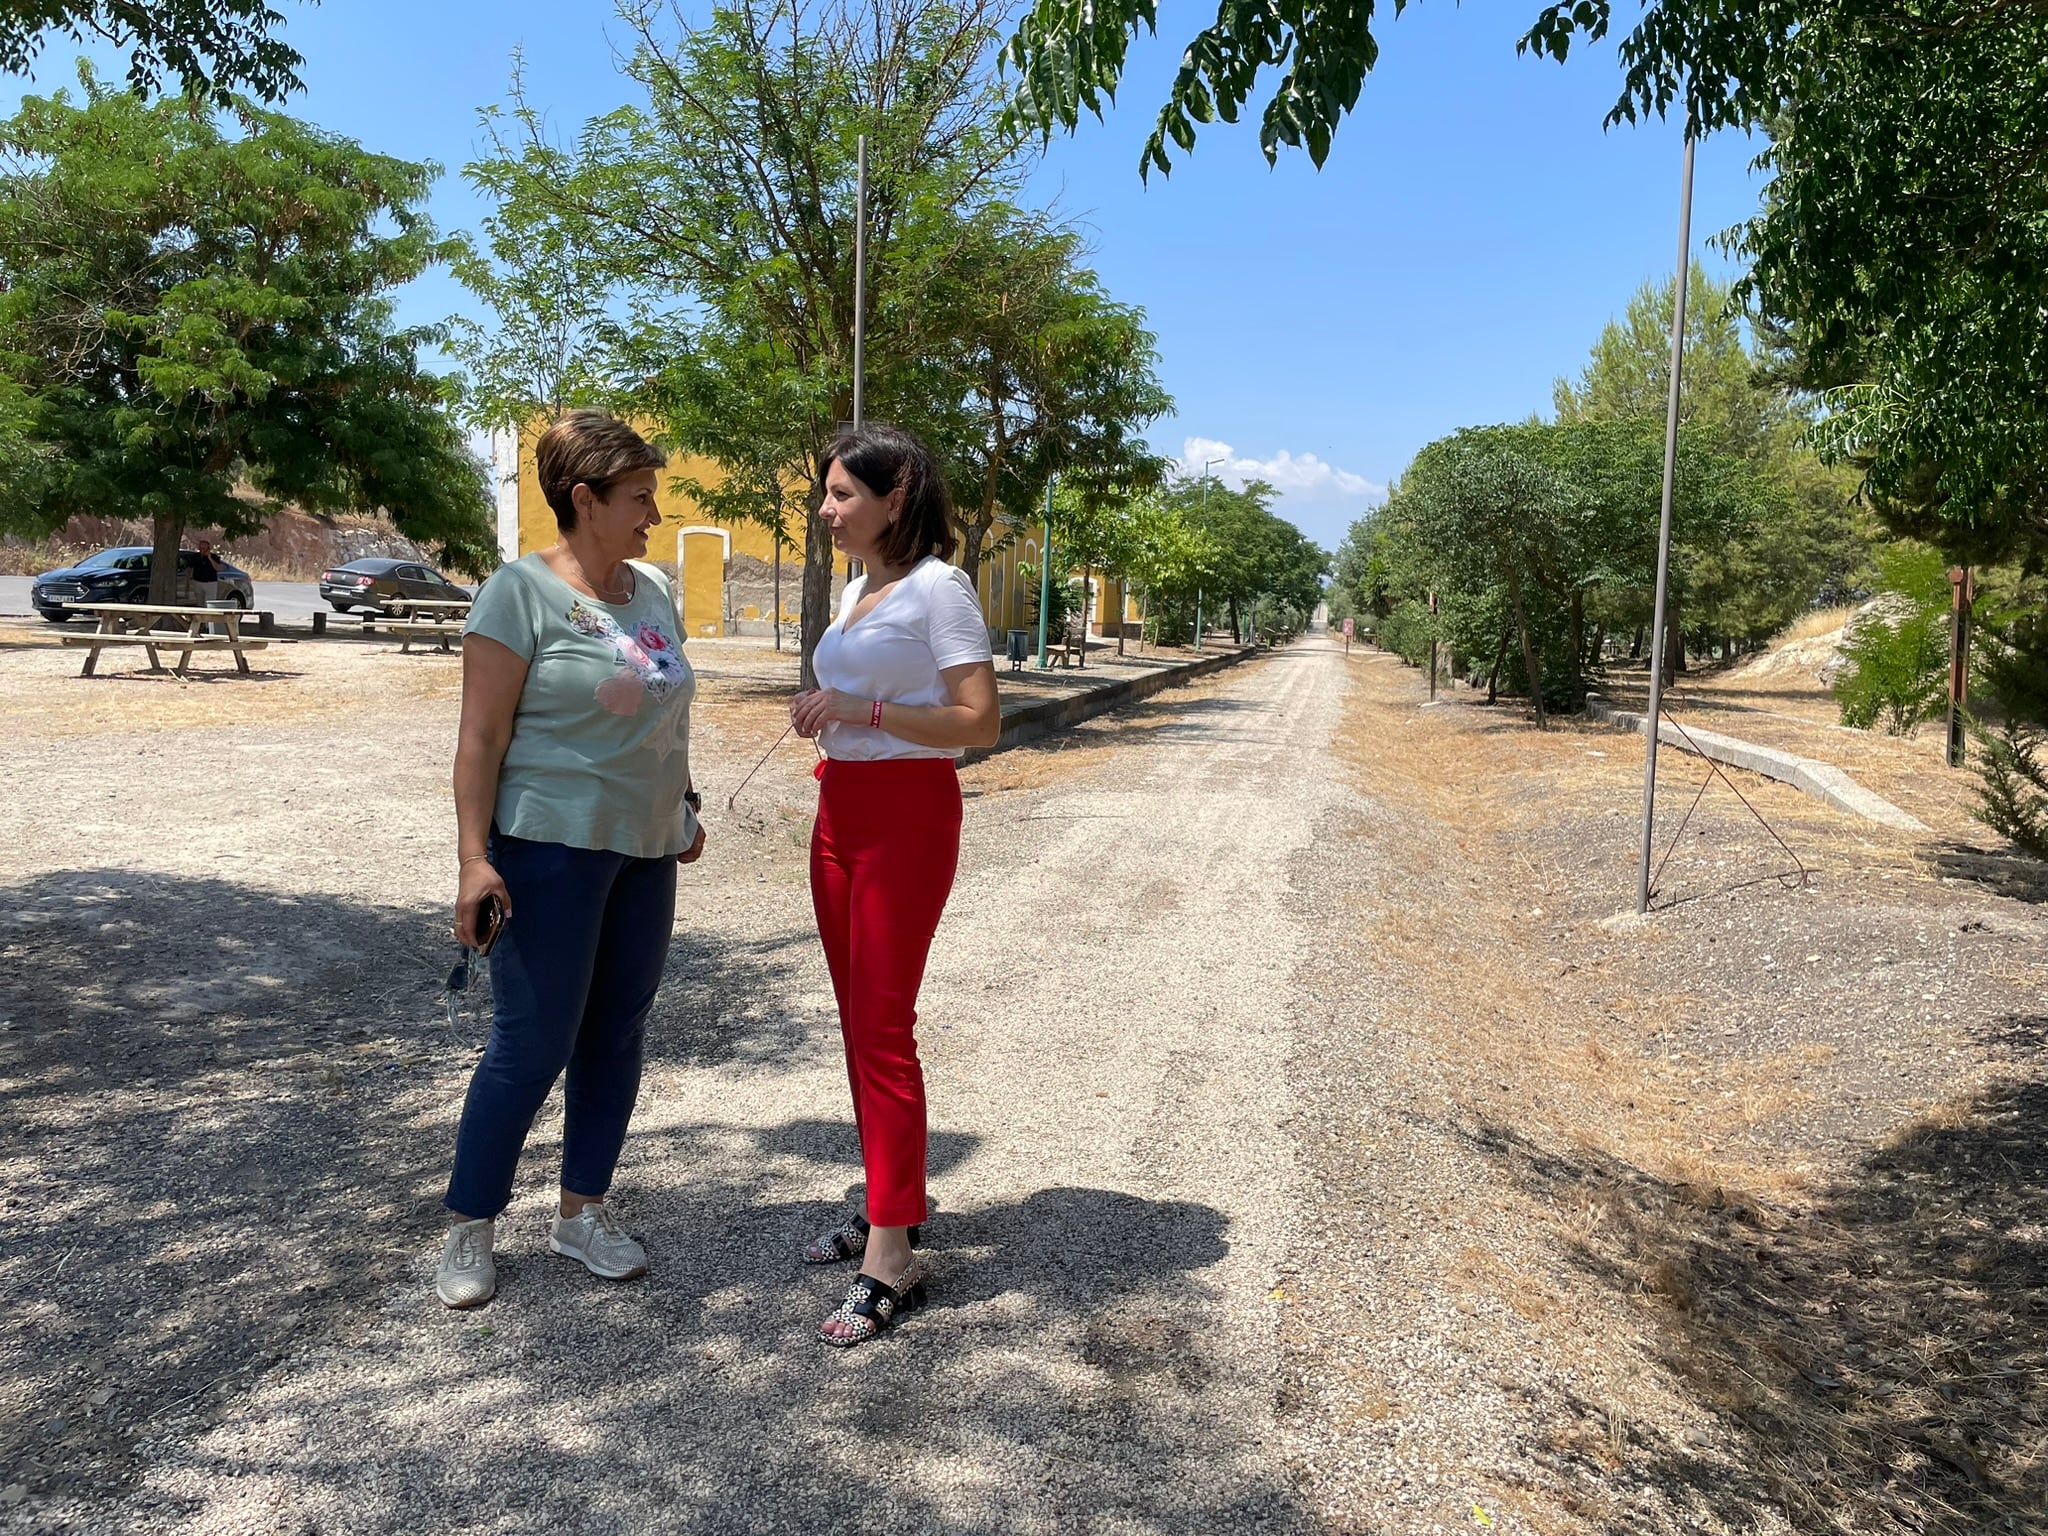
(244, 1338)
(1311, 1153)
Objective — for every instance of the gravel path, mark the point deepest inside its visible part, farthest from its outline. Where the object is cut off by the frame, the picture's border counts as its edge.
(217, 1266)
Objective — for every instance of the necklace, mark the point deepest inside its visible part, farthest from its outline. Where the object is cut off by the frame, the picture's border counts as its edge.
(601, 593)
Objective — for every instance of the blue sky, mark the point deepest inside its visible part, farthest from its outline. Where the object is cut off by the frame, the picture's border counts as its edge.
(1473, 229)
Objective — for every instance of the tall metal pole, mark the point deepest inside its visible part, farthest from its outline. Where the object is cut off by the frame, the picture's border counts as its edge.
(1045, 572)
(1656, 720)
(860, 300)
(860, 282)
(1206, 463)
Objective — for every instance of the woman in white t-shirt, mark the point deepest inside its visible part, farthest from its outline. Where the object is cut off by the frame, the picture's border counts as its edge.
(905, 685)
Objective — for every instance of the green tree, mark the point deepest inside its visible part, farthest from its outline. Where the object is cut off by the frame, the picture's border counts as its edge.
(1494, 516)
(1806, 541)
(728, 198)
(555, 342)
(1049, 374)
(196, 327)
(1252, 551)
(1895, 659)
(1167, 560)
(1531, 535)
(1068, 57)
(1900, 251)
(1628, 376)
(211, 47)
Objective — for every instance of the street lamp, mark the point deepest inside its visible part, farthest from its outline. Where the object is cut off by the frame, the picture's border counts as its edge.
(1219, 459)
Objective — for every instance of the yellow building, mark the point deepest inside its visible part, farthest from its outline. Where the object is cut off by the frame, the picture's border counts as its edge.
(725, 573)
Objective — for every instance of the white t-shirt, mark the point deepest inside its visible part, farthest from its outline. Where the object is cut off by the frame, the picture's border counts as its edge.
(928, 621)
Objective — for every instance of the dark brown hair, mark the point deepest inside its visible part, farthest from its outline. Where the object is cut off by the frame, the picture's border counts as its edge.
(588, 448)
(882, 458)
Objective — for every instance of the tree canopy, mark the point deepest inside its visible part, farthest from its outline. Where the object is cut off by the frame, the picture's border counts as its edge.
(209, 47)
(1807, 542)
(1068, 57)
(1901, 251)
(715, 224)
(196, 326)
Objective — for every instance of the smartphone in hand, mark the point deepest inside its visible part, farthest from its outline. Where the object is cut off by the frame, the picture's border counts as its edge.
(490, 922)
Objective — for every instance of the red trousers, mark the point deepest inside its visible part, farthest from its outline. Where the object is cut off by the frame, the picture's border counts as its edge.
(883, 853)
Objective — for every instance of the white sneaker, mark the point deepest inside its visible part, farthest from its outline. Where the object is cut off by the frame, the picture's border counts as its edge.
(592, 1236)
(467, 1278)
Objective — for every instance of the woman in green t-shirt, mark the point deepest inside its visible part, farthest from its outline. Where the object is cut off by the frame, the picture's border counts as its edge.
(573, 806)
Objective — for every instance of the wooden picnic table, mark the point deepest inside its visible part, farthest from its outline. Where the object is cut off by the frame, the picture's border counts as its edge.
(421, 618)
(136, 624)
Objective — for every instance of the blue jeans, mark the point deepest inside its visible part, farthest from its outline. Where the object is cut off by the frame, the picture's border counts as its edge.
(572, 980)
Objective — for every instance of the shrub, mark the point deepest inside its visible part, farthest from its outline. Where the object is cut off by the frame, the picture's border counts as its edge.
(1407, 630)
(1895, 659)
(2013, 799)
(1064, 603)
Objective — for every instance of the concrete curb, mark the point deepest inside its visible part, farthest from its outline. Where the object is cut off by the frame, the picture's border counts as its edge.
(1824, 781)
(1028, 722)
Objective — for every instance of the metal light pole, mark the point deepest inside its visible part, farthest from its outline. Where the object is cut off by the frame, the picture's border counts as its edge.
(1219, 459)
(860, 299)
(1656, 720)
(860, 279)
(1045, 571)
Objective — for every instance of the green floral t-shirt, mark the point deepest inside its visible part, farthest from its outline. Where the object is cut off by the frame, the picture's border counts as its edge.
(600, 749)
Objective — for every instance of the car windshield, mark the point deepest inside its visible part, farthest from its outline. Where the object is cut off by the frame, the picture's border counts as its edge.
(111, 560)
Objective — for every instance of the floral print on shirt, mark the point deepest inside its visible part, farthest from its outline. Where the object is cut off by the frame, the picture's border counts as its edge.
(651, 663)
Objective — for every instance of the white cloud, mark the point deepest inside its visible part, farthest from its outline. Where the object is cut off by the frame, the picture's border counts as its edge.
(1301, 479)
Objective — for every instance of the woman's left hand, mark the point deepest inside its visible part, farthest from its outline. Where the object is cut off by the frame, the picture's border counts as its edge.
(695, 851)
(811, 711)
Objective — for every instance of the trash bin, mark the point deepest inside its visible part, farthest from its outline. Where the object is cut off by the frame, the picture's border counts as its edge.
(1019, 647)
(225, 603)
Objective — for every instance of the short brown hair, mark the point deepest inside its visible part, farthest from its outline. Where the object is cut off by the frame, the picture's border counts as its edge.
(882, 457)
(588, 448)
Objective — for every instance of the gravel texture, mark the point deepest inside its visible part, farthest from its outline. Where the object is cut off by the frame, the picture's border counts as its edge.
(230, 1096)
(1275, 1190)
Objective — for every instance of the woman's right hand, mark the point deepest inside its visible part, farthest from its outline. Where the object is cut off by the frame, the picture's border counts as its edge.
(479, 880)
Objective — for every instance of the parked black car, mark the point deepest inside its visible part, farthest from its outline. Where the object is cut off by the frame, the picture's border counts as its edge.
(374, 584)
(122, 576)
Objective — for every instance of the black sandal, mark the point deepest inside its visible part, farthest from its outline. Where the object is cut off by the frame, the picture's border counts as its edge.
(871, 1306)
(847, 1242)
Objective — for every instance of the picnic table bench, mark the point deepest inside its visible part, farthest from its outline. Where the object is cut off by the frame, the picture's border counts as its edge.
(136, 624)
(422, 619)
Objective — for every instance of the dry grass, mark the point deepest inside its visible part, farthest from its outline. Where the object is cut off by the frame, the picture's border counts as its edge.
(1814, 625)
(1866, 1315)
(1555, 1024)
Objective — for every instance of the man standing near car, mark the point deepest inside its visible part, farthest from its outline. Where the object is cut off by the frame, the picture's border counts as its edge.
(205, 574)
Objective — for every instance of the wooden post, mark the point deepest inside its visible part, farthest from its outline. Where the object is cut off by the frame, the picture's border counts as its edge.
(1432, 647)
(1963, 594)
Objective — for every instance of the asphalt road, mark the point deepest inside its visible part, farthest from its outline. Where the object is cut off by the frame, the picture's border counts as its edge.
(291, 601)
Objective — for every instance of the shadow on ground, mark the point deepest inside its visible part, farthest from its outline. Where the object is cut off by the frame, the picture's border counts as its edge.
(2003, 871)
(224, 1119)
(1879, 1363)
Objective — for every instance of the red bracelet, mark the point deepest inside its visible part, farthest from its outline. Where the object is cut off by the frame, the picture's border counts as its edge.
(875, 715)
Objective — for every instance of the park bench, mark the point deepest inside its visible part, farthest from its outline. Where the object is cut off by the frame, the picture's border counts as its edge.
(136, 624)
(422, 630)
(420, 619)
(1064, 649)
